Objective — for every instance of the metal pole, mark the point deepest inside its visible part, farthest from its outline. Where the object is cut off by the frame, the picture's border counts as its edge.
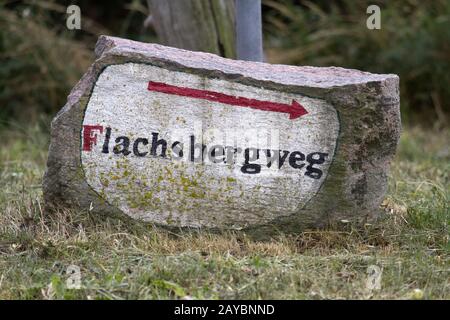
(249, 30)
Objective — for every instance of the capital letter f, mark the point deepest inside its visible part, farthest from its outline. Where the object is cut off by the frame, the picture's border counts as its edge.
(90, 137)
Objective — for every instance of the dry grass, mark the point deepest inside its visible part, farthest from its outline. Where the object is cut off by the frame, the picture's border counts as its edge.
(123, 259)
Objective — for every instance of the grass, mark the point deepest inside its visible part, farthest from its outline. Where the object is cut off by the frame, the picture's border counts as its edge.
(122, 259)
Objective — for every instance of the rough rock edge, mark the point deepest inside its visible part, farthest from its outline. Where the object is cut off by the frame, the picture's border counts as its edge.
(192, 59)
(366, 144)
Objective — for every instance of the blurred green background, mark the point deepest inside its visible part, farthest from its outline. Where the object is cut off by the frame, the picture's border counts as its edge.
(40, 59)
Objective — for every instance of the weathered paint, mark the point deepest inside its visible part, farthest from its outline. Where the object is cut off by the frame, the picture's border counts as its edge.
(352, 116)
(176, 192)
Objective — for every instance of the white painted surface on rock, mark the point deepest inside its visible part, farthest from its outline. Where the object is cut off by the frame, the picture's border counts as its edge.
(222, 190)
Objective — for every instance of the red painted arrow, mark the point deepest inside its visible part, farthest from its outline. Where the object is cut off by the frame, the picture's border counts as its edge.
(295, 109)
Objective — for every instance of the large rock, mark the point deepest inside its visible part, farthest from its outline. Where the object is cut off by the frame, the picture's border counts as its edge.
(284, 147)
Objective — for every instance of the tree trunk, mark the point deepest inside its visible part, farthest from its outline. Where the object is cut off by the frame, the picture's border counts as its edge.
(198, 25)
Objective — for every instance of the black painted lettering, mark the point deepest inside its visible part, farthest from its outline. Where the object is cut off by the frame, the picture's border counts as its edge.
(105, 148)
(274, 156)
(282, 158)
(296, 159)
(156, 143)
(217, 154)
(177, 150)
(194, 147)
(231, 154)
(312, 159)
(122, 145)
(136, 147)
(251, 168)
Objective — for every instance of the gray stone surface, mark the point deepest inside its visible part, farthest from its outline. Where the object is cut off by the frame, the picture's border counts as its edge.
(353, 117)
